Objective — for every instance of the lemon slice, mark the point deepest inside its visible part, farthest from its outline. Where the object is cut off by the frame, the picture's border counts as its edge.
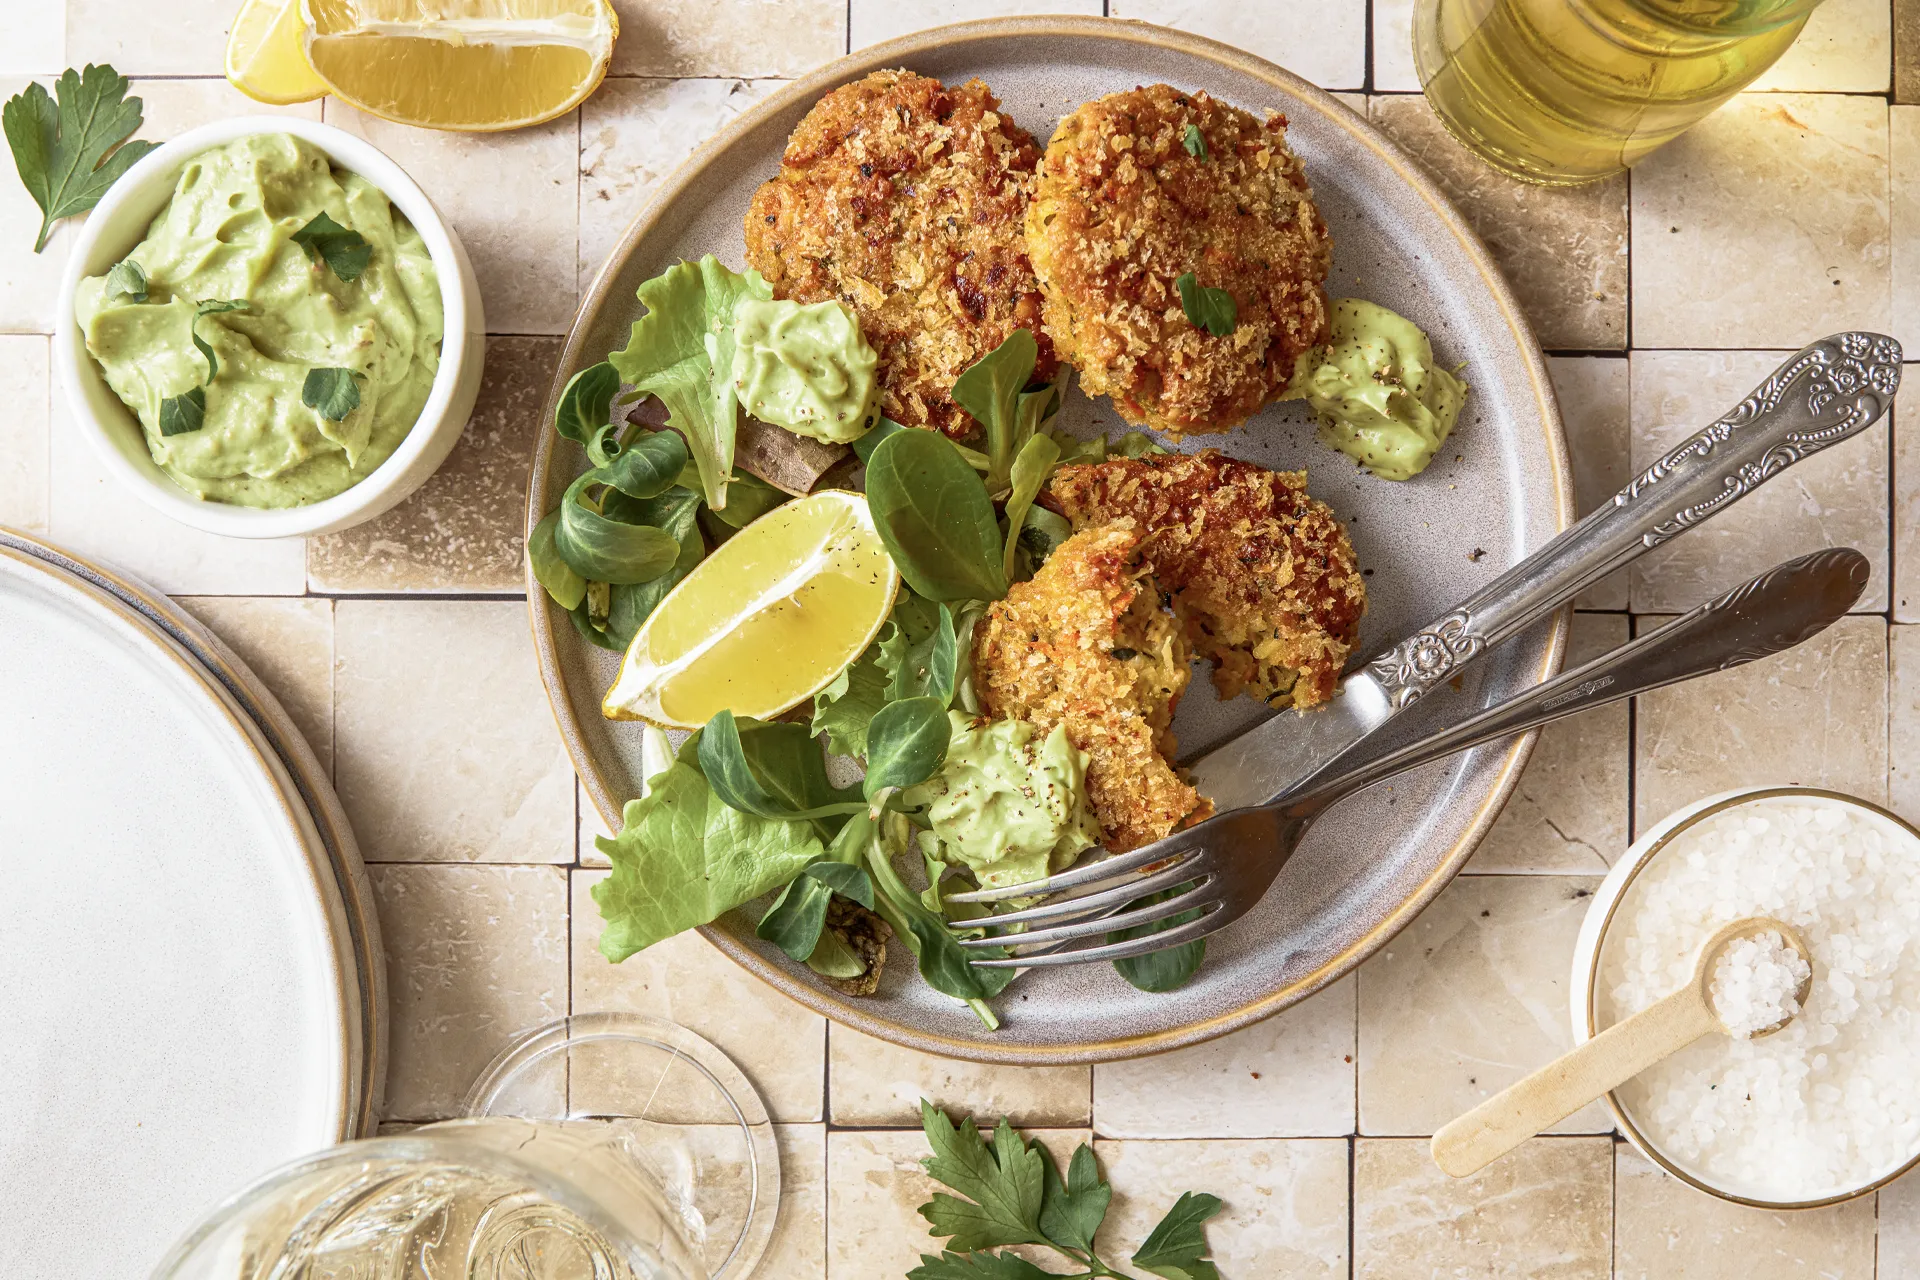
(765, 622)
(264, 57)
(469, 65)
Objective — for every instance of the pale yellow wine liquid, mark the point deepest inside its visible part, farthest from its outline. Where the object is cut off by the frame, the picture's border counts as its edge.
(1569, 91)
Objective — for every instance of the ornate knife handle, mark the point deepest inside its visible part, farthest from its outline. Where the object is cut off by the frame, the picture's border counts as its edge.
(1825, 393)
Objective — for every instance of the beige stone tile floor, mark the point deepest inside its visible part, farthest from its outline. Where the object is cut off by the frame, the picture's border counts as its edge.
(402, 651)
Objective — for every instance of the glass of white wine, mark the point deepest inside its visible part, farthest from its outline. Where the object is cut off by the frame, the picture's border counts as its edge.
(600, 1147)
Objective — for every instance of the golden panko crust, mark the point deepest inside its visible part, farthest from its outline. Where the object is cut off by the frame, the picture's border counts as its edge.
(1086, 645)
(1122, 210)
(904, 199)
(1261, 574)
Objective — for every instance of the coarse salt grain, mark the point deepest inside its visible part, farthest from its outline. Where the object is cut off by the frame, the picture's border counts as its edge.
(1832, 1100)
(1755, 983)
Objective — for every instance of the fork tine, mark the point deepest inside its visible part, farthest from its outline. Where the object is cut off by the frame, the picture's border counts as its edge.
(1094, 872)
(1188, 868)
(1196, 897)
(1216, 917)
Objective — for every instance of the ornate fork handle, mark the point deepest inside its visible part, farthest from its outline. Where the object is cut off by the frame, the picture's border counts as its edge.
(1825, 393)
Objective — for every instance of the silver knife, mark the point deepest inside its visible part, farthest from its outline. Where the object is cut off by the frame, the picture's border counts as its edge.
(1825, 393)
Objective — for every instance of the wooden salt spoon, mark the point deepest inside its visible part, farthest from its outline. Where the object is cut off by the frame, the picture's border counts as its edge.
(1610, 1059)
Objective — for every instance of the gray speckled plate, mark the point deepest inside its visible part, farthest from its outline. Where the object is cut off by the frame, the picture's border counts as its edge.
(1501, 488)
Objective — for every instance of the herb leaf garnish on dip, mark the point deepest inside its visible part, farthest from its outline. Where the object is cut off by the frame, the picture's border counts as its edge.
(229, 234)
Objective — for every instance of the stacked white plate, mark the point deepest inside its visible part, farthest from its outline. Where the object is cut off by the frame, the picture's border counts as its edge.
(191, 988)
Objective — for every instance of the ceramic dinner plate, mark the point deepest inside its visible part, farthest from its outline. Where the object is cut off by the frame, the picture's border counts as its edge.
(187, 985)
(1499, 490)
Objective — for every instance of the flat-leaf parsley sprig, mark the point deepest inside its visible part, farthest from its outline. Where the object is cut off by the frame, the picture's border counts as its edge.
(1013, 1195)
(71, 145)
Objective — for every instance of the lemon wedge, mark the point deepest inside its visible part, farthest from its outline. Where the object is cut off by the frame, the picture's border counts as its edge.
(466, 65)
(265, 60)
(763, 623)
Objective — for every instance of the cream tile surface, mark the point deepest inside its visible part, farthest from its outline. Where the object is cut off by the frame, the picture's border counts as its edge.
(633, 134)
(1286, 1201)
(25, 431)
(1569, 814)
(462, 529)
(1906, 50)
(1542, 1212)
(1899, 1237)
(1592, 392)
(1905, 521)
(475, 956)
(96, 516)
(780, 1045)
(1725, 730)
(727, 37)
(1468, 999)
(174, 106)
(190, 39)
(1833, 499)
(523, 233)
(1846, 47)
(872, 1082)
(1393, 66)
(1797, 181)
(590, 827)
(1666, 1228)
(446, 748)
(871, 21)
(1289, 1076)
(1903, 149)
(288, 643)
(1326, 44)
(1903, 721)
(36, 43)
(1564, 251)
(875, 1187)
(799, 1244)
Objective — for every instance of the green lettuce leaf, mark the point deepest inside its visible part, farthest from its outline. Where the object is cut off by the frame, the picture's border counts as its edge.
(682, 352)
(683, 859)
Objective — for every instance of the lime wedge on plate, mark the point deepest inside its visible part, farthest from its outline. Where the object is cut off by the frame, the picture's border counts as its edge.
(763, 623)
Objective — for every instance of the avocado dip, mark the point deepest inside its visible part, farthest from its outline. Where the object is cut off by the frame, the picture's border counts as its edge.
(220, 265)
(1379, 395)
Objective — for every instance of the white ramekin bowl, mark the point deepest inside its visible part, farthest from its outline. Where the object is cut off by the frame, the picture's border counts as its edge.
(120, 222)
(1583, 989)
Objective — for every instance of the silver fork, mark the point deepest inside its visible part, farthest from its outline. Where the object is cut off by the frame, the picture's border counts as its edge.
(1225, 865)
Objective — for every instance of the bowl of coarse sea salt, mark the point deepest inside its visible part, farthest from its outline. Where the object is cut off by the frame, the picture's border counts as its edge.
(1826, 1107)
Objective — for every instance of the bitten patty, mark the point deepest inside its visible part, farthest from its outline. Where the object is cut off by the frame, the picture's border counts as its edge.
(904, 199)
(1261, 574)
(1124, 207)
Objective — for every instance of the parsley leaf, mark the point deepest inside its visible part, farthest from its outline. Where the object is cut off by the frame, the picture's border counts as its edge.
(1071, 1212)
(977, 1266)
(331, 391)
(1177, 1248)
(1003, 1183)
(1209, 309)
(1195, 142)
(128, 278)
(183, 413)
(344, 250)
(214, 308)
(68, 154)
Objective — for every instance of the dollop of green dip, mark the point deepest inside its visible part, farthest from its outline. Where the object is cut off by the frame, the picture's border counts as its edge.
(1380, 398)
(226, 235)
(806, 368)
(1010, 802)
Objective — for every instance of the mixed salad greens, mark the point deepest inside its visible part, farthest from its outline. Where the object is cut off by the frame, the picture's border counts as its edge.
(745, 807)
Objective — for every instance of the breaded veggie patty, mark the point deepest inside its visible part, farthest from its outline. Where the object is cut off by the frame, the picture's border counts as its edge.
(904, 199)
(1085, 644)
(1124, 207)
(1261, 574)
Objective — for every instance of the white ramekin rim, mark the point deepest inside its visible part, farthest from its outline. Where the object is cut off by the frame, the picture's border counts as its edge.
(1583, 983)
(121, 220)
